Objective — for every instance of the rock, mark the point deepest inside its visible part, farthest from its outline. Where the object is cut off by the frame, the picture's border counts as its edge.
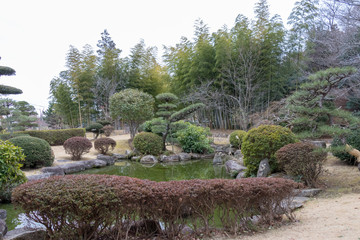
(195, 156)
(120, 156)
(135, 158)
(73, 167)
(171, 158)
(240, 175)
(307, 192)
(220, 148)
(233, 168)
(3, 228)
(110, 160)
(321, 144)
(38, 176)
(54, 171)
(148, 159)
(184, 156)
(187, 230)
(26, 234)
(208, 156)
(238, 154)
(264, 168)
(219, 158)
(128, 152)
(230, 150)
(95, 163)
(2, 214)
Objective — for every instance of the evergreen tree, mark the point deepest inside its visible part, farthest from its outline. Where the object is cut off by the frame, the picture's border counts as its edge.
(5, 90)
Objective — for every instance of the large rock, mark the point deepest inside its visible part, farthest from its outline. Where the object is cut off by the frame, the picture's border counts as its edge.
(241, 175)
(148, 159)
(26, 234)
(264, 168)
(38, 176)
(110, 160)
(184, 156)
(135, 158)
(208, 156)
(2, 214)
(54, 171)
(95, 163)
(321, 144)
(230, 150)
(233, 168)
(119, 157)
(220, 148)
(311, 192)
(195, 156)
(73, 167)
(239, 157)
(219, 158)
(171, 158)
(3, 228)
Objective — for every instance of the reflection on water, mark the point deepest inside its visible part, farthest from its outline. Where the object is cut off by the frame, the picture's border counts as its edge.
(200, 169)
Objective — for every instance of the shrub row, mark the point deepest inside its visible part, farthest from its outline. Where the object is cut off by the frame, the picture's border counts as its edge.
(55, 137)
(91, 206)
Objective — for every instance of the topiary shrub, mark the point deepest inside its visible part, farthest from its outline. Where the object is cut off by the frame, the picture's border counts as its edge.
(263, 142)
(37, 151)
(302, 160)
(11, 158)
(7, 136)
(194, 139)
(95, 128)
(236, 138)
(104, 122)
(102, 145)
(148, 143)
(107, 130)
(338, 146)
(77, 146)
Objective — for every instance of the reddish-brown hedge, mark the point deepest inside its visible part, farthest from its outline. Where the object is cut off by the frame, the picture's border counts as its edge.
(77, 146)
(104, 144)
(88, 206)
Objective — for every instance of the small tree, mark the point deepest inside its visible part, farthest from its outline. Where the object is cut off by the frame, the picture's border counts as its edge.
(167, 111)
(133, 106)
(313, 106)
(7, 71)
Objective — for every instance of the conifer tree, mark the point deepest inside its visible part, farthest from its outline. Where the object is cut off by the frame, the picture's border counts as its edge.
(5, 90)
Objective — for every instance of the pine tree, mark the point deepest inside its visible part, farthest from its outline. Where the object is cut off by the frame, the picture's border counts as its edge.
(5, 90)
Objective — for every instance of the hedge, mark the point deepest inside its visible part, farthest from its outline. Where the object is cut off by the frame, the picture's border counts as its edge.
(55, 137)
(91, 206)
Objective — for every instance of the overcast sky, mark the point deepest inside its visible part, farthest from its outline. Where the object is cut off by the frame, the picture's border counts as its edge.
(35, 34)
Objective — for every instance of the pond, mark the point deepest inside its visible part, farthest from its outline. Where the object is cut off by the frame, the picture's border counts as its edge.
(199, 169)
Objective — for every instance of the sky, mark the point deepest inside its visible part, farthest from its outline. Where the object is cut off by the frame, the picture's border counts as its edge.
(35, 35)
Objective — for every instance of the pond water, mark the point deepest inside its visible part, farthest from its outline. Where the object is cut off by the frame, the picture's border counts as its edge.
(200, 169)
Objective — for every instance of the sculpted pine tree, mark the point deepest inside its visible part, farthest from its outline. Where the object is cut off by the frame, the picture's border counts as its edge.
(5, 90)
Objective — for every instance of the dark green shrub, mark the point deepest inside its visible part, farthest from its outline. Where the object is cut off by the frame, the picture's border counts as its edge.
(8, 136)
(77, 146)
(104, 122)
(236, 138)
(194, 139)
(148, 143)
(103, 145)
(95, 128)
(55, 137)
(338, 146)
(98, 204)
(11, 158)
(107, 130)
(263, 142)
(302, 160)
(37, 151)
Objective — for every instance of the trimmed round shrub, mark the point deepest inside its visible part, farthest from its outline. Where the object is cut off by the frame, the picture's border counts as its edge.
(148, 143)
(11, 158)
(104, 122)
(236, 138)
(194, 139)
(338, 146)
(103, 145)
(95, 128)
(302, 160)
(263, 142)
(36, 150)
(108, 129)
(77, 146)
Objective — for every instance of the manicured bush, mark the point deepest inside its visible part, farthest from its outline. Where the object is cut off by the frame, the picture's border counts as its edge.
(77, 146)
(95, 128)
(236, 138)
(7, 136)
(37, 151)
(194, 139)
(103, 145)
(11, 158)
(338, 146)
(99, 204)
(148, 143)
(263, 142)
(104, 122)
(107, 130)
(302, 160)
(55, 137)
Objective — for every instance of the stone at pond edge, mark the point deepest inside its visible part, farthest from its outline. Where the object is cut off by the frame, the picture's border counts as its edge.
(171, 158)
(184, 156)
(54, 171)
(148, 159)
(2, 214)
(135, 158)
(3, 228)
(110, 160)
(26, 234)
(241, 175)
(219, 158)
(264, 168)
(120, 156)
(233, 168)
(321, 144)
(95, 163)
(73, 167)
(230, 150)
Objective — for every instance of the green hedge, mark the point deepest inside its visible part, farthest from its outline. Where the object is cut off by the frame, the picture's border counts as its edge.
(55, 137)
